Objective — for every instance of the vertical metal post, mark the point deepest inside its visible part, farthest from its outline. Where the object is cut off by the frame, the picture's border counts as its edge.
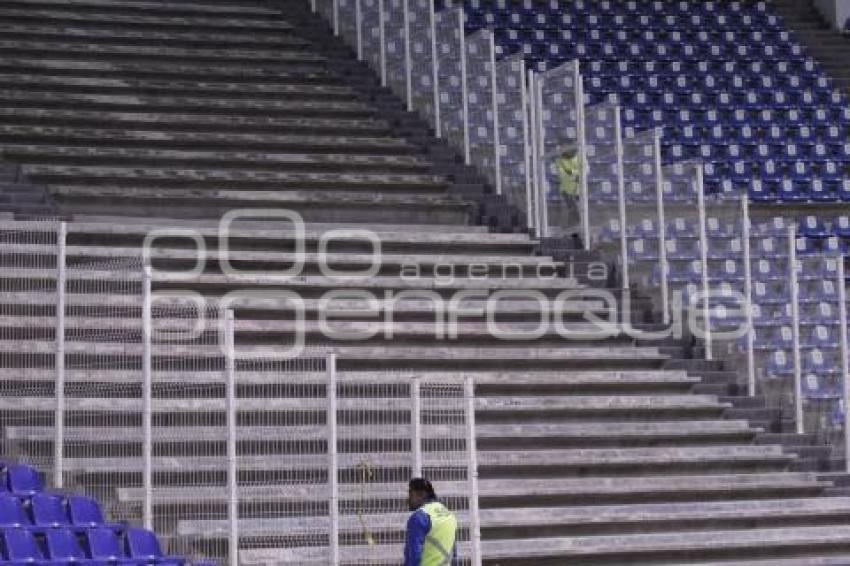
(59, 418)
(527, 142)
(408, 63)
(703, 245)
(333, 472)
(533, 192)
(845, 370)
(472, 471)
(621, 198)
(358, 20)
(662, 228)
(416, 421)
(467, 155)
(382, 42)
(795, 329)
(147, 408)
(543, 173)
(230, 402)
(584, 194)
(435, 70)
(313, 6)
(748, 292)
(335, 10)
(497, 136)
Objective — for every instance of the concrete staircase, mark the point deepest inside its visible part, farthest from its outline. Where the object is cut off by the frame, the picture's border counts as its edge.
(823, 43)
(140, 114)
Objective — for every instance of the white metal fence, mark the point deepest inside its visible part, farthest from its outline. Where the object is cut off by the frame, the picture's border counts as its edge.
(170, 411)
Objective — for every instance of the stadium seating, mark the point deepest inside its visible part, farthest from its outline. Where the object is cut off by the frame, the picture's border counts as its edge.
(614, 451)
(38, 527)
(725, 81)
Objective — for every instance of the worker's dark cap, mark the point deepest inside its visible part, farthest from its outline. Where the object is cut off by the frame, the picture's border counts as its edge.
(421, 484)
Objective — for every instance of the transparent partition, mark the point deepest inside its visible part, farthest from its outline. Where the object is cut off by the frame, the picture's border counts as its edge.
(559, 160)
(395, 41)
(514, 143)
(422, 58)
(371, 34)
(349, 28)
(603, 181)
(643, 196)
(481, 98)
(818, 320)
(451, 78)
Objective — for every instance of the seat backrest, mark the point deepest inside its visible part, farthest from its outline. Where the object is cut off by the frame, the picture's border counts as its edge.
(48, 510)
(142, 543)
(103, 544)
(21, 545)
(63, 545)
(84, 511)
(12, 512)
(23, 480)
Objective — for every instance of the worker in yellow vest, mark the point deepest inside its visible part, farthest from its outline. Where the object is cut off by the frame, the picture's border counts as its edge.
(568, 170)
(431, 529)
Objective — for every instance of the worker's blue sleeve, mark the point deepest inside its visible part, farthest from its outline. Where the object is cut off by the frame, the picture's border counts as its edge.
(418, 527)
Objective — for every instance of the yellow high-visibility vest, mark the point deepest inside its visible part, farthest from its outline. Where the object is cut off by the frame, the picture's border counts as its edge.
(569, 169)
(440, 541)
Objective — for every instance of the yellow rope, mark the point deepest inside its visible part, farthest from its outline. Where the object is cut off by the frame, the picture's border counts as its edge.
(365, 475)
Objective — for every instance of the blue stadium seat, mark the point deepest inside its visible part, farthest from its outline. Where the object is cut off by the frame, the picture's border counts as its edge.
(63, 547)
(105, 545)
(143, 544)
(86, 512)
(49, 510)
(22, 547)
(778, 364)
(12, 512)
(23, 480)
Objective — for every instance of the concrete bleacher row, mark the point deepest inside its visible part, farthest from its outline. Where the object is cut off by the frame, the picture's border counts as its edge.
(610, 451)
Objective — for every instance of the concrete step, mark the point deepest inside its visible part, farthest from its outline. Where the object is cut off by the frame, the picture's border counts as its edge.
(615, 549)
(95, 32)
(603, 520)
(298, 58)
(59, 14)
(320, 142)
(119, 123)
(171, 8)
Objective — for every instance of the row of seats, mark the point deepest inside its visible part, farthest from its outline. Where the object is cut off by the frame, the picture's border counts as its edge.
(638, 51)
(779, 38)
(93, 547)
(39, 527)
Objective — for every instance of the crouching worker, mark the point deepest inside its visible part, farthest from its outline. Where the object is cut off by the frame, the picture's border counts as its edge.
(431, 529)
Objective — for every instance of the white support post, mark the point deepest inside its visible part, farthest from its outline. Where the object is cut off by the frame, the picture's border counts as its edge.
(703, 245)
(528, 143)
(335, 10)
(435, 70)
(661, 219)
(59, 418)
(533, 205)
(147, 399)
(230, 402)
(530, 116)
(584, 194)
(467, 153)
(795, 329)
(313, 6)
(748, 292)
(416, 419)
(494, 90)
(542, 176)
(408, 62)
(333, 472)
(845, 369)
(358, 19)
(472, 471)
(383, 42)
(621, 199)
